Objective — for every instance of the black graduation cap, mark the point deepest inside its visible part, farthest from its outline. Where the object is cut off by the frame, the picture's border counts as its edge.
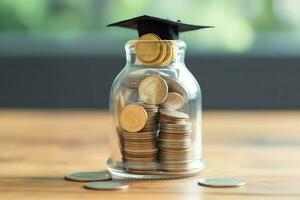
(166, 29)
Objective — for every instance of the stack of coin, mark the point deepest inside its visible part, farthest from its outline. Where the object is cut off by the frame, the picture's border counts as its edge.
(139, 133)
(173, 101)
(174, 141)
(152, 51)
(152, 128)
(140, 151)
(152, 121)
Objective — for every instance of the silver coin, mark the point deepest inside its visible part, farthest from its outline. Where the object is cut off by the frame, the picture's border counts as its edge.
(175, 86)
(106, 185)
(221, 182)
(89, 176)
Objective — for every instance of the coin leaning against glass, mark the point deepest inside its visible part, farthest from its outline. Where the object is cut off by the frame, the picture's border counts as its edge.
(160, 58)
(152, 51)
(170, 54)
(153, 89)
(133, 118)
(148, 48)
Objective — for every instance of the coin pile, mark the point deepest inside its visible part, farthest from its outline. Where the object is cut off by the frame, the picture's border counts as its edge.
(154, 134)
(140, 152)
(152, 51)
(152, 120)
(139, 144)
(174, 141)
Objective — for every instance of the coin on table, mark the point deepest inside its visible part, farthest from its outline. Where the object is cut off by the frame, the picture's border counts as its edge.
(106, 185)
(221, 182)
(153, 89)
(133, 118)
(148, 48)
(88, 176)
(173, 101)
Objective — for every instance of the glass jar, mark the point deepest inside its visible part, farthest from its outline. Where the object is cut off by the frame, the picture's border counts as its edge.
(156, 138)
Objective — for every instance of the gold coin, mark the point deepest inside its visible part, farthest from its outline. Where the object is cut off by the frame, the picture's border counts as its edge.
(148, 48)
(133, 118)
(149, 36)
(173, 101)
(160, 58)
(169, 54)
(153, 90)
(174, 49)
(164, 49)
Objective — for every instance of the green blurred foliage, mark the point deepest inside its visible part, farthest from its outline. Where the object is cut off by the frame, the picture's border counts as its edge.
(237, 21)
(46, 15)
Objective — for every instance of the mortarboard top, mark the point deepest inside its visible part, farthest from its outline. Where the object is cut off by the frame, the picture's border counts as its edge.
(166, 29)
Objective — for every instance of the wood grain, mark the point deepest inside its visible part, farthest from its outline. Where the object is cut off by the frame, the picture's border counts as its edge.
(37, 147)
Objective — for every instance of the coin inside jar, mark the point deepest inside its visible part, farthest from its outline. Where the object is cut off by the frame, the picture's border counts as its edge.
(170, 54)
(148, 48)
(172, 114)
(152, 51)
(173, 101)
(159, 60)
(175, 86)
(133, 118)
(153, 89)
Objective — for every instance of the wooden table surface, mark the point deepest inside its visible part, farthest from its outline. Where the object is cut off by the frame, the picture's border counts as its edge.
(37, 148)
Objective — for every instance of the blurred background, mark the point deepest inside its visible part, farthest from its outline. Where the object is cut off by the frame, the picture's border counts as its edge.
(59, 53)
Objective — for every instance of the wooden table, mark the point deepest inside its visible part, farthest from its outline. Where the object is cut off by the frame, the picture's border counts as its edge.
(38, 147)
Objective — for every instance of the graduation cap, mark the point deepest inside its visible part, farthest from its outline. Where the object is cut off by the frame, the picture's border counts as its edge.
(166, 29)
